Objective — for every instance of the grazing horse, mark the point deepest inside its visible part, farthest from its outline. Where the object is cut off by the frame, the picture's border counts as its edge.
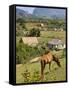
(46, 59)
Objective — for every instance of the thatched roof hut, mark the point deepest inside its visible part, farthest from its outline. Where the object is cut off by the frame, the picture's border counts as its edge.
(31, 41)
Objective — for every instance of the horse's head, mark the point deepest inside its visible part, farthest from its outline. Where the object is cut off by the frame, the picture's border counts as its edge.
(58, 63)
(56, 59)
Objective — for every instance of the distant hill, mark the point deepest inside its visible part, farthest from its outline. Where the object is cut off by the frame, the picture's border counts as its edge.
(49, 13)
(22, 13)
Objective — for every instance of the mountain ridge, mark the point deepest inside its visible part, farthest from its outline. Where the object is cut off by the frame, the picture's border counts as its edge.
(42, 13)
(50, 13)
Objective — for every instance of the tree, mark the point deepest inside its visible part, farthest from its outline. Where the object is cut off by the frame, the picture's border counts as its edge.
(35, 32)
(20, 20)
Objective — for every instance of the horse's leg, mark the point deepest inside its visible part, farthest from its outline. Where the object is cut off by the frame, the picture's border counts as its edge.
(42, 69)
(44, 64)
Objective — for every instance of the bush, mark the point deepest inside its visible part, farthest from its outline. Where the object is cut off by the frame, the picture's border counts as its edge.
(35, 76)
(24, 53)
(20, 20)
(21, 23)
(35, 32)
(26, 76)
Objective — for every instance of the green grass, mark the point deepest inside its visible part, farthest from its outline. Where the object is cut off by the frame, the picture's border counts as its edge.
(49, 35)
(56, 73)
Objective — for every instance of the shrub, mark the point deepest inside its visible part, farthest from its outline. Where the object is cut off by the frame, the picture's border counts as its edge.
(26, 76)
(35, 32)
(24, 53)
(35, 76)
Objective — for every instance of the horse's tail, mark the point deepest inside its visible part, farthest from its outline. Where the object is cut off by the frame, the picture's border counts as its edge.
(35, 60)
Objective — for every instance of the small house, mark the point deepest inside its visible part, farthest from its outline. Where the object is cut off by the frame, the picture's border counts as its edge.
(61, 29)
(55, 29)
(56, 44)
(31, 41)
(42, 25)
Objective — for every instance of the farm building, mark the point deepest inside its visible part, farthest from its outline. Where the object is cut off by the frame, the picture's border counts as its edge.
(56, 44)
(42, 25)
(55, 29)
(31, 41)
(61, 29)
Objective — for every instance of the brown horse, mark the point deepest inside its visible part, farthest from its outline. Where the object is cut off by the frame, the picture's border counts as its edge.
(46, 59)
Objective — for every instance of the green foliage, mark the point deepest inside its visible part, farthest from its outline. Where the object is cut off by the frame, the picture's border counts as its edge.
(35, 32)
(25, 52)
(21, 23)
(20, 20)
(22, 51)
(26, 76)
(19, 33)
(20, 27)
(35, 77)
(56, 23)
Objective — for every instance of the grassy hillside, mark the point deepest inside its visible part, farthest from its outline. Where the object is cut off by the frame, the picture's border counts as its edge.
(56, 73)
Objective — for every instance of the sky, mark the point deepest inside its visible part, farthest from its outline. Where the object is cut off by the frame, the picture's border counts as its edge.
(28, 9)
